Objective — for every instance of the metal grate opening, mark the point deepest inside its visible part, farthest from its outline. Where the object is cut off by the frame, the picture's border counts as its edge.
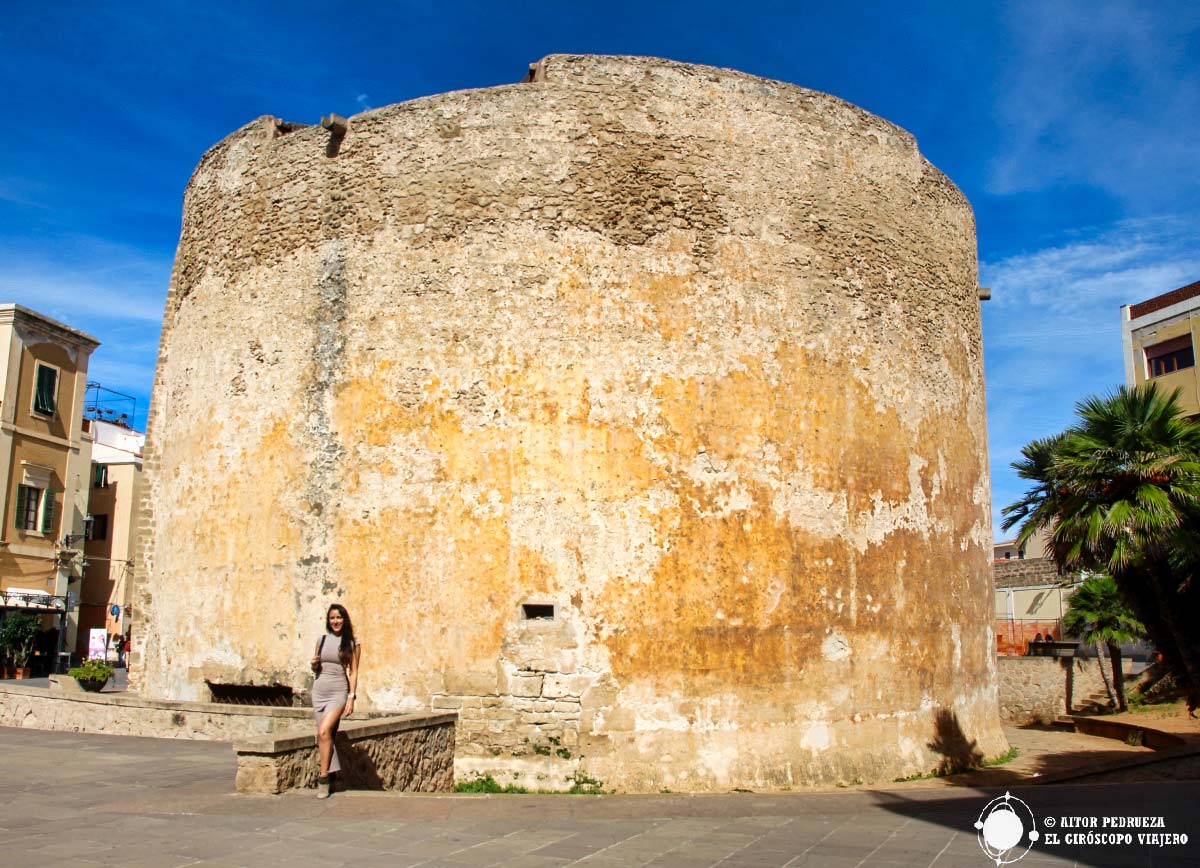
(251, 694)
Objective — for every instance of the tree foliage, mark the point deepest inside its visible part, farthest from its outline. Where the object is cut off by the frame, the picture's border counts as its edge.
(1119, 491)
(17, 636)
(1097, 612)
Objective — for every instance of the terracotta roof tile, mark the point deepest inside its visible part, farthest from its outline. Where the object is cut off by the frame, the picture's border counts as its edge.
(1165, 300)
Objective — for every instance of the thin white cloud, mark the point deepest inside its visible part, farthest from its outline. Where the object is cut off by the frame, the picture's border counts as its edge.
(1052, 333)
(1088, 279)
(361, 99)
(20, 191)
(87, 280)
(1102, 93)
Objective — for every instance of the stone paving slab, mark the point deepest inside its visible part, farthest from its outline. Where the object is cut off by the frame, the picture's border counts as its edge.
(93, 800)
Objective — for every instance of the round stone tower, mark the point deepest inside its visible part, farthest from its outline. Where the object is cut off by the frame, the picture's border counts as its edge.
(635, 412)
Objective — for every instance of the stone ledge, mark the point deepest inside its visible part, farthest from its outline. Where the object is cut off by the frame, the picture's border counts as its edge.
(129, 714)
(65, 683)
(128, 700)
(352, 728)
(413, 753)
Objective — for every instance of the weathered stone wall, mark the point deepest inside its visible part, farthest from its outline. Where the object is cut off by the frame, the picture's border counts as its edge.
(690, 355)
(1034, 689)
(414, 754)
(1029, 571)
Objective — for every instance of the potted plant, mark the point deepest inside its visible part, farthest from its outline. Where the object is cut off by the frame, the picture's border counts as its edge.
(92, 675)
(19, 632)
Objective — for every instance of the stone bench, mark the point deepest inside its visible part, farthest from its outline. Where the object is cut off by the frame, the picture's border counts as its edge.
(413, 752)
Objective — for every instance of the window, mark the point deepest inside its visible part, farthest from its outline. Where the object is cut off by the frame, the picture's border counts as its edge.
(35, 509)
(537, 612)
(97, 528)
(45, 393)
(100, 476)
(1170, 356)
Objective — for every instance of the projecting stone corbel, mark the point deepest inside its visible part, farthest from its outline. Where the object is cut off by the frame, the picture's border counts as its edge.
(338, 126)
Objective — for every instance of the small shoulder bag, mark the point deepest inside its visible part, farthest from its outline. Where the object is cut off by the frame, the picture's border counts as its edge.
(320, 647)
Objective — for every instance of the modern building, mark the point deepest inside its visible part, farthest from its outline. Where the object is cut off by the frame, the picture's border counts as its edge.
(109, 529)
(45, 461)
(1159, 337)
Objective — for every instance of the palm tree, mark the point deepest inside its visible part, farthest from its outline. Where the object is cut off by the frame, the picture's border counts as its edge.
(1120, 491)
(1129, 474)
(1043, 503)
(1097, 614)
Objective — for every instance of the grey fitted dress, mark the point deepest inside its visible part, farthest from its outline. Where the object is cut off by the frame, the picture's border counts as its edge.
(331, 688)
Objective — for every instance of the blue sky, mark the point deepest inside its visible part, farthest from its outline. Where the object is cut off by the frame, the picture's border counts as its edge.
(1071, 127)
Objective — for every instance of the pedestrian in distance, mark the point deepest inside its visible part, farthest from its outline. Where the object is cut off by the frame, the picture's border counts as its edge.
(335, 664)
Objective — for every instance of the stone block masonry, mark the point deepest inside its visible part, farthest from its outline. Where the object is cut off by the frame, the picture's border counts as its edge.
(636, 413)
(1017, 573)
(1040, 689)
(413, 754)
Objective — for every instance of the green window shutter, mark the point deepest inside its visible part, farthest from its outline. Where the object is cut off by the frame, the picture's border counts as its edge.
(48, 513)
(20, 516)
(47, 386)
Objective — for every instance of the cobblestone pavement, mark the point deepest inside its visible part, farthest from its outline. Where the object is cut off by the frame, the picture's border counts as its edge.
(79, 800)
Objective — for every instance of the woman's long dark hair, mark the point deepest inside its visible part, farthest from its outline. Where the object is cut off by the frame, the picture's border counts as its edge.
(346, 649)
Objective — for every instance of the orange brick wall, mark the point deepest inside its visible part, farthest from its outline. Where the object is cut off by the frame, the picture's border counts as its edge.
(1013, 637)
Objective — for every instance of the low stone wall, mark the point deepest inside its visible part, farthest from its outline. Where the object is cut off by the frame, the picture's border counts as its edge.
(1036, 689)
(413, 753)
(130, 714)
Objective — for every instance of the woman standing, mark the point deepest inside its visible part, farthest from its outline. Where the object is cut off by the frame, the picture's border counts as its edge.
(336, 665)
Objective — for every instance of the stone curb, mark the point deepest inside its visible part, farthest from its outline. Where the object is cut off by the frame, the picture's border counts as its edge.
(1156, 739)
(1119, 765)
(1167, 747)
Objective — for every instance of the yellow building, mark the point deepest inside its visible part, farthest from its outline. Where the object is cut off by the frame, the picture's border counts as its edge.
(1037, 546)
(44, 459)
(1159, 336)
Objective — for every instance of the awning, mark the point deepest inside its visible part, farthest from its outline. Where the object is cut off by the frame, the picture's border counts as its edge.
(30, 600)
